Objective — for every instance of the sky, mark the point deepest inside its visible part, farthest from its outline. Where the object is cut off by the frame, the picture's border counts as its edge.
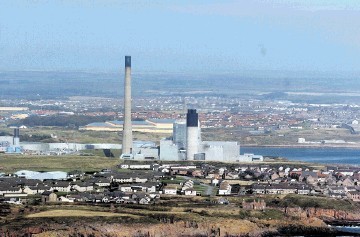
(180, 36)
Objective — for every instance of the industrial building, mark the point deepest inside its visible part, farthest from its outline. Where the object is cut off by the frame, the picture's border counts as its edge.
(11, 144)
(147, 126)
(141, 149)
(186, 144)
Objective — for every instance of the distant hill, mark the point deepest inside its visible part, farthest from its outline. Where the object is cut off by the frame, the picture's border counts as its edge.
(51, 85)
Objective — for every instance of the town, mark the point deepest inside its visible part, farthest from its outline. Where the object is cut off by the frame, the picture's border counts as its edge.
(216, 112)
(148, 183)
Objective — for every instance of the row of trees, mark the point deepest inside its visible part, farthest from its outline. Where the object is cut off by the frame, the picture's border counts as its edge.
(64, 120)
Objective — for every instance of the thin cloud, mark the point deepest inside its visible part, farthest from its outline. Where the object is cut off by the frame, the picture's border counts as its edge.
(338, 20)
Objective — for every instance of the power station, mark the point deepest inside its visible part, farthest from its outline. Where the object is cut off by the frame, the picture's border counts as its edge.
(186, 143)
(196, 149)
(11, 144)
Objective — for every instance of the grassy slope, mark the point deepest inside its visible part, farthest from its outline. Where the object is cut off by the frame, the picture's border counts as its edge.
(75, 213)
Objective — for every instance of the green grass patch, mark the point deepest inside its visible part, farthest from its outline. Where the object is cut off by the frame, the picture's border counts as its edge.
(200, 188)
(311, 201)
(269, 214)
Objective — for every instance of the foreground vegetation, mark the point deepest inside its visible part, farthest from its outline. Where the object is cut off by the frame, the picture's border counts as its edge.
(177, 216)
(75, 213)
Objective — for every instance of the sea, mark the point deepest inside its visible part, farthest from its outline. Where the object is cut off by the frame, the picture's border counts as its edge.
(350, 229)
(324, 155)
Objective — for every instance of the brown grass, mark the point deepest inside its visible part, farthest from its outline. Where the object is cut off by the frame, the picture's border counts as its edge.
(76, 213)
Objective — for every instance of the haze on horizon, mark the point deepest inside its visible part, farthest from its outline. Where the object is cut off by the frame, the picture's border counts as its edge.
(203, 36)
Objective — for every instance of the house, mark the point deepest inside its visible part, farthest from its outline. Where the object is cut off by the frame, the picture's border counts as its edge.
(274, 176)
(225, 188)
(337, 195)
(35, 189)
(9, 190)
(282, 174)
(309, 177)
(145, 200)
(345, 172)
(280, 189)
(94, 198)
(48, 196)
(119, 200)
(125, 188)
(354, 195)
(188, 184)
(197, 173)
(76, 197)
(141, 179)
(65, 199)
(215, 181)
(122, 178)
(346, 181)
(61, 186)
(258, 189)
(303, 190)
(170, 190)
(149, 187)
(254, 205)
(189, 192)
(140, 167)
(232, 175)
(31, 190)
(213, 176)
(75, 174)
(357, 176)
(330, 180)
(311, 180)
(83, 187)
(350, 189)
(105, 200)
(101, 182)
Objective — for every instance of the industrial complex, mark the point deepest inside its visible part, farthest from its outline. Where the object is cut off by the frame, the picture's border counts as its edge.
(184, 142)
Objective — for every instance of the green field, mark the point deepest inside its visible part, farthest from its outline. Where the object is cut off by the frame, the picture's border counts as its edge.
(11, 163)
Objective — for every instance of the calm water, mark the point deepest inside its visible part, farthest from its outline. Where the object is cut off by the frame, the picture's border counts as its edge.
(317, 155)
(355, 229)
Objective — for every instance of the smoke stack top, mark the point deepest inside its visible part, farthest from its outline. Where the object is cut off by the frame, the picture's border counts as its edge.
(192, 118)
(127, 61)
(16, 132)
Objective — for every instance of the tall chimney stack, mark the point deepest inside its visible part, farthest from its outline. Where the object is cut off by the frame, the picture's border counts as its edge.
(127, 129)
(16, 138)
(192, 134)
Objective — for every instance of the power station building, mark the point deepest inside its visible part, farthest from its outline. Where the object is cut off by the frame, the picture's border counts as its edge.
(147, 126)
(11, 144)
(186, 144)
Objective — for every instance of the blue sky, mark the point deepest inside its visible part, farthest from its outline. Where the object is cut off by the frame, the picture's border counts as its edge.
(180, 35)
